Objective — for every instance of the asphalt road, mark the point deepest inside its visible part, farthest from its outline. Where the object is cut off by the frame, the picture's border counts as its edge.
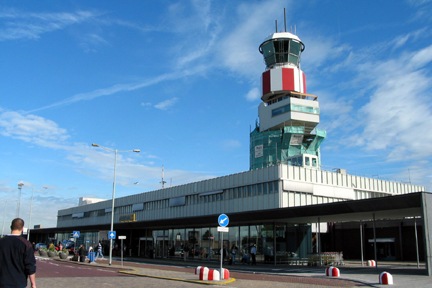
(156, 273)
(51, 273)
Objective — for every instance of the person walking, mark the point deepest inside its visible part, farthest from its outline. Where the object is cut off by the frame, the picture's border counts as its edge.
(17, 260)
(99, 251)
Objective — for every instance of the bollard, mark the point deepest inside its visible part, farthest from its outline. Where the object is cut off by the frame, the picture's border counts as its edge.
(225, 274)
(208, 274)
(371, 263)
(386, 278)
(332, 271)
(203, 273)
(198, 269)
(214, 275)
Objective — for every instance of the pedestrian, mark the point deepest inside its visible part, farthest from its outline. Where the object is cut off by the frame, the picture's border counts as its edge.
(253, 252)
(17, 260)
(82, 253)
(233, 253)
(99, 251)
(186, 252)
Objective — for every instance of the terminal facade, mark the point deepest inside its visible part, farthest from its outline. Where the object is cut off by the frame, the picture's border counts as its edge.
(276, 205)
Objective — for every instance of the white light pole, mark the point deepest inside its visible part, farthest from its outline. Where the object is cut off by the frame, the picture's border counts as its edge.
(20, 185)
(113, 189)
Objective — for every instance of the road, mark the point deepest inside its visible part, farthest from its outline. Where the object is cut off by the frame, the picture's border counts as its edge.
(52, 273)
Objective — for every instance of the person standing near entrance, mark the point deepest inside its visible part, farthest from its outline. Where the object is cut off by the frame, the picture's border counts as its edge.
(253, 252)
(82, 253)
(17, 260)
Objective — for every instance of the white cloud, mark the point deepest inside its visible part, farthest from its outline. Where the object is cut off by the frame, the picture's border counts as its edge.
(399, 112)
(164, 105)
(239, 49)
(22, 25)
(31, 128)
(253, 94)
(114, 89)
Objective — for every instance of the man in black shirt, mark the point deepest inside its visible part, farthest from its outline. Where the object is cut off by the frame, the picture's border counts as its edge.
(17, 260)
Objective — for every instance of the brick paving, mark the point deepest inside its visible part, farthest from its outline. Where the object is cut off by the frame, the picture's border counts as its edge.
(158, 274)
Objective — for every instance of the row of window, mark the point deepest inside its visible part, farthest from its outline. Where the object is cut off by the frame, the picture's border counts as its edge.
(281, 51)
(293, 107)
(232, 193)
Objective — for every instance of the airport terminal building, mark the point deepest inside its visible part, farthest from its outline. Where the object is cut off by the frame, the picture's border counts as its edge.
(286, 205)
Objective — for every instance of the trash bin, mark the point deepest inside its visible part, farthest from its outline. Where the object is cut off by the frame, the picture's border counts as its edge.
(91, 256)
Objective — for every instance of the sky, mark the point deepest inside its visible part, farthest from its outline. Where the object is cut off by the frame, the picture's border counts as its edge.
(181, 80)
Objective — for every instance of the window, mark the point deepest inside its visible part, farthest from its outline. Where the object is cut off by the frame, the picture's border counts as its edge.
(314, 162)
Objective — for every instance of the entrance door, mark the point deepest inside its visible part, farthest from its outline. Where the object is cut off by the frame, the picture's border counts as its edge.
(162, 246)
(145, 248)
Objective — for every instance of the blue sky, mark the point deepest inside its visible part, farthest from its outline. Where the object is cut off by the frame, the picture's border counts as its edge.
(180, 80)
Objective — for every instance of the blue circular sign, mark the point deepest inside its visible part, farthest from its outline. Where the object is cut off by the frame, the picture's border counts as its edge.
(223, 220)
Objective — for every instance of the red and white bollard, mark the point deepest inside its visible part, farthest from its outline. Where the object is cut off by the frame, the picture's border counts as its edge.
(225, 274)
(386, 278)
(208, 274)
(214, 275)
(198, 269)
(371, 263)
(211, 274)
(203, 273)
(332, 271)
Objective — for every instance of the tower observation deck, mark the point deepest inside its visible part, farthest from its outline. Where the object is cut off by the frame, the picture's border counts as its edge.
(288, 117)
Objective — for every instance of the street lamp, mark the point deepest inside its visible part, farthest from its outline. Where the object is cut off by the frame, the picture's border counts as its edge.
(20, 185)
(113, 189)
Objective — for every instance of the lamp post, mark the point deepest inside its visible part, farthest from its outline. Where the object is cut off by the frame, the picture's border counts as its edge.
(113, 189)
(20, 185)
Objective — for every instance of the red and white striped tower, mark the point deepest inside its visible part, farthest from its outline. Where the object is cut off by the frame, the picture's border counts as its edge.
(288, 117)
(283, 72)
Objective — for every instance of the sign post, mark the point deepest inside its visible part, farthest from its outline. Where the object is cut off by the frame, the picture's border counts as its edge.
(121, 246)
(223, 221)
(75, 235)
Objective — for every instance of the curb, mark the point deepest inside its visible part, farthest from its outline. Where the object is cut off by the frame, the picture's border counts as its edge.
(135, 272)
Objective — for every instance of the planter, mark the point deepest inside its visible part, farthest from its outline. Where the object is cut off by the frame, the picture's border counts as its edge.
(43, 253)
(51, 254)
(63, 255)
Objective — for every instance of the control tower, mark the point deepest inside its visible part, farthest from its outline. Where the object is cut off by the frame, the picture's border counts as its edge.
(288, 117)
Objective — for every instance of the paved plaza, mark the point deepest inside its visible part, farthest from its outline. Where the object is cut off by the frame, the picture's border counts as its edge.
(164, 273)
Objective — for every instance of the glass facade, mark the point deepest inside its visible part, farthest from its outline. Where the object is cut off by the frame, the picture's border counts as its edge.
(281, 51)
(287, 243)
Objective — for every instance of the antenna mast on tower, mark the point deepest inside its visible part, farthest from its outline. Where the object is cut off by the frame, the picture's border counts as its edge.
(163, 181)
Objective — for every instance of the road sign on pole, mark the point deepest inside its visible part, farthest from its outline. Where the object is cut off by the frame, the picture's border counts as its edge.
(112, 235)
(223, 220)
(222, 229)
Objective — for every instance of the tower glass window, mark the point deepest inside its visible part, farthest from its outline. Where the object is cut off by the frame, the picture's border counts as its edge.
(281, 51)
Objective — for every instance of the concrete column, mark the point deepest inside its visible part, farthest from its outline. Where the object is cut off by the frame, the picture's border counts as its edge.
(427, 230)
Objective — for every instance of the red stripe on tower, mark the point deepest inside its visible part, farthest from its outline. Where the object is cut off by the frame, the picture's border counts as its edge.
(266, 82)
(304, 82)
(288, 79)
